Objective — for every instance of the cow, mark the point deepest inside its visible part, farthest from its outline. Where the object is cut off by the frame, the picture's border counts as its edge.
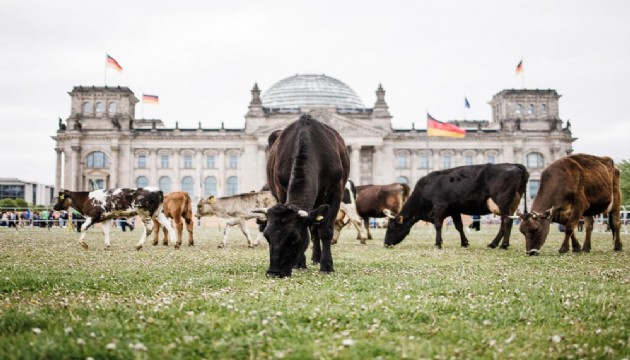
(472, 190)
(99, 206)
(307, 169)
(348, 214)
(177, 206)
(379, 201)
(236, 210)
(571, 187)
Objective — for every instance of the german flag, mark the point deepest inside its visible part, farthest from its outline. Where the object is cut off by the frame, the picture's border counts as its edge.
(438, 128)
(112, 63)
(519, 67)
(150, 99)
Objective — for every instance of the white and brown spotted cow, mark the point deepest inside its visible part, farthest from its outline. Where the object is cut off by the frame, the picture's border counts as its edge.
(99, 206)
(236, 210)
(348, 214)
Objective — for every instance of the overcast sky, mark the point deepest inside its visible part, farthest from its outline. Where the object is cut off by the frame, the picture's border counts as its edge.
(203, 57)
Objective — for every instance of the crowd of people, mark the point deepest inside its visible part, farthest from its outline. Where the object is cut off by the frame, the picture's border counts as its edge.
(48, 219)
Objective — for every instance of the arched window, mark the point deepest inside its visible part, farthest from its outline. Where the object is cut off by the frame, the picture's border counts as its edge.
(97, 160)
(446, 161)
(518, 109)
(165, 184)
(188, 185)
(543, 109)
(534, 185)
(402, 180)
(210, 186)
(112, 108)
(233, 161)
(424, 161)
(188, 162)
(530, 109)
(490, 159)
(535, 160)
(232, 185)
(86, 108)
(100, 107)
(468, 159)
(210, 162)
(142, 182)
(402, 160)
(142, 161)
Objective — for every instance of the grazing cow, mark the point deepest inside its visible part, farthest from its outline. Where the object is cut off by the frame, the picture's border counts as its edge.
(307, 171)
(101, 205)
(379, 201)
(571, 187)
(472, 190)
(348, 214)
(176, 206)
(236, 210)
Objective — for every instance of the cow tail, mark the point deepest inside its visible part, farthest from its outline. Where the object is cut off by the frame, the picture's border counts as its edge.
(525, 198)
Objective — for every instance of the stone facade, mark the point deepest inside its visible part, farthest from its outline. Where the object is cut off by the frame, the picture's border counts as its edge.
(103, 145)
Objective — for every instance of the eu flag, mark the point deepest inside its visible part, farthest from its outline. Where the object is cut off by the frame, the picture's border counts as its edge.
(466, 103)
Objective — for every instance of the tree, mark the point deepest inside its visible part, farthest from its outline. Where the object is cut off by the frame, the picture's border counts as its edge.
(7, 203)
(21, 203)
(624, 166)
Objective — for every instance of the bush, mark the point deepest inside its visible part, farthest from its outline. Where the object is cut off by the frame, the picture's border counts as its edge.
(8, 203)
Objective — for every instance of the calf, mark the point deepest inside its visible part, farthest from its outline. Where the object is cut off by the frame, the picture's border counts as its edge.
(236, 210)
(379, 201)
(177, 206)
(348, 214)
(307, 170)
(571, 187)
(101, 205)
(472, 190)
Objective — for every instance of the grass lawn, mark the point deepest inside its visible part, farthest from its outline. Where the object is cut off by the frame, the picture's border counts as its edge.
(411, 301)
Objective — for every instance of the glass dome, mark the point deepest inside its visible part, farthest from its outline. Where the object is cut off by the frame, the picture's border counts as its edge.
(310, 91)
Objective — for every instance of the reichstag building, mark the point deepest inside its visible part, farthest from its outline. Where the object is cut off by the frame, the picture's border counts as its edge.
(103, 145)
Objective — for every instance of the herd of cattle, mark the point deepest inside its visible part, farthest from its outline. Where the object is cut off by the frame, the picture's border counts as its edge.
(308, 197)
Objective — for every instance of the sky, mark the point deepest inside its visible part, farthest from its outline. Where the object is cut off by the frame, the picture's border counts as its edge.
(202, 59)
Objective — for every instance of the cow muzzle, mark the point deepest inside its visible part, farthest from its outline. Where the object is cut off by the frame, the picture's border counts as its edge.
(533, 252)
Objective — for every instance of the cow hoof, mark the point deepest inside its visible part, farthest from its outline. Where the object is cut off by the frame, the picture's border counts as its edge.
(578, 250)
(563, 250)
(586, 250)
(84, 245)
(618, 248)
(138, 247)
(439, 247)
(165, 244)
(505, 247)
(322, 272)
(221, 246)
(191, 244)
(492, 245)
(177, 246)
(465, 245)
(155, 244)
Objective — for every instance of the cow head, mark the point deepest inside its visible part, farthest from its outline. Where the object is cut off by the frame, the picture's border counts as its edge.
(397, 229)
(535, 227)
(287, 232)
(205, 207)
(64, 201)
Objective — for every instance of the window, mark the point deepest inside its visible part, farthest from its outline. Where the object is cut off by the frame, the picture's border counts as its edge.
(402, 161)
(210, 162)
(468, 159)
(142, 182)
(188, 162)
(96, 184)
(543, 109)
(446, 161)
(87, 108)
(232, 186)
(210, 186)
(165, 184)
(112, 108)
(164, 161)
(424, 162)
(402, 180)
(97, 160)
(142, 162)
(490, 159)
(535, 160)
(100, 107)
(519, 109)
(188, 185)
(534, 185)
(233, 162)
(530, 109)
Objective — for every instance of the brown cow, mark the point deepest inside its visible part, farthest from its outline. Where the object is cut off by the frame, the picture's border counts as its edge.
(177, 206)
(571, 187)
(379, 201)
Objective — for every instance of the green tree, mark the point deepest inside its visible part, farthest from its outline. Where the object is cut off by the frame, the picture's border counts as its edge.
(624, 166)
(21, 203)
(7, 203)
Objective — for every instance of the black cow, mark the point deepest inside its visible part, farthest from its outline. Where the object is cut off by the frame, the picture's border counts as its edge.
(472, 190)
(307, 170)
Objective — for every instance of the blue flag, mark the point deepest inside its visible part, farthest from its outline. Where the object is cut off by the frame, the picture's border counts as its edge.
(466, 103)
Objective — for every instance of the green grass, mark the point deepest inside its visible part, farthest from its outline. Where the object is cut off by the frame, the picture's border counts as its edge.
(412, 301)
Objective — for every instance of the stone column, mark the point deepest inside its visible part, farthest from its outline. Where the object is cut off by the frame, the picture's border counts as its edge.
(176, 184)
(377, 166)
(113, 167)
(355, 164)
(153, 161)
(262, 165)
(199, 192)
(75, 185)
(221, 181)
(58, 170)
(436, 163)
(415, 162)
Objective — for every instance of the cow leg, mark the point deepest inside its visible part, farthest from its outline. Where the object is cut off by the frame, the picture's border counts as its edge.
(105, 227)
(189, 228)
(325, 234)
(156, 234)
(438, 221)
(148, 228)
(588, 225)
(84, 227)
(575, 244)
(366, 223)
(457, 221)
(506, 229)
(164, 230)
(228, 226)
(360, 230)
(495, 241)
(615, 228)
(245, 230)
(179, 225)
(337, 231)
(564, 248)
(164, 221)
(316, 257)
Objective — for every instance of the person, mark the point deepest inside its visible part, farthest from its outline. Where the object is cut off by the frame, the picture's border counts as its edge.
(476, 223)
(580, 225)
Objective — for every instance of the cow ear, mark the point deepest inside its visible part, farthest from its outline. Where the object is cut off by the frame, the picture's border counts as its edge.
(211, 199)
(400, 219)
(319, 214)
(547, 213)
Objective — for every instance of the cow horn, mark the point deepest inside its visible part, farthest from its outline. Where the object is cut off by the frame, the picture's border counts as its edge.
(389, 214)
(303, 213)
(260, 210)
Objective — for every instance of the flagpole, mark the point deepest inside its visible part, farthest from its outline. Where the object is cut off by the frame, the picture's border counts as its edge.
(523, 75)
(106, 70)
